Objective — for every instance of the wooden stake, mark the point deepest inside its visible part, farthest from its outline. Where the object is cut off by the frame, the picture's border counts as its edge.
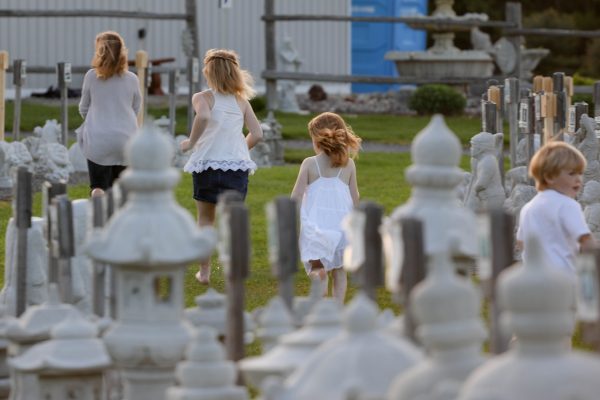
(502, 257)
(141, 65)
(370, 274)
(99, 277)
(538, 83)
(511, 99)
(23, 223)
(548, 104)
(413, 269)
(18, 78)
(3, 68)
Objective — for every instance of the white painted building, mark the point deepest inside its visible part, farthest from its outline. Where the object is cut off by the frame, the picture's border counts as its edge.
(323, 46)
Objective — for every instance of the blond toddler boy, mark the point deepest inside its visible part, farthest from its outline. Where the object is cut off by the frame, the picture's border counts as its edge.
(553, 216)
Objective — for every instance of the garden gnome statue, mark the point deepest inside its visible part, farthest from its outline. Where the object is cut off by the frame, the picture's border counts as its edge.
(485, 190)
(446, 307)
(434, 175)
(71, 364)
(590, 198)
(149, 244)
(290, 62)
(537, 303)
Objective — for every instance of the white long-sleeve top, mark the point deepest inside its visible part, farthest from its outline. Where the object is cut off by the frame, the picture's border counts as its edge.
(110, 108)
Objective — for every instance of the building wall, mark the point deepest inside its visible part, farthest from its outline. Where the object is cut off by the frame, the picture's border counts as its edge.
(324, 47)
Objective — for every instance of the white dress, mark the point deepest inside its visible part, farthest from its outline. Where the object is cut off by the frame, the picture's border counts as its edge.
(325, 203)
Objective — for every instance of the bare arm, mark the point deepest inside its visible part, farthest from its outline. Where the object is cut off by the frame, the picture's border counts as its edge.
(301, 182)
(353, 184)
(255, 132)
(202, 108)
(586, 242)
(84, 103)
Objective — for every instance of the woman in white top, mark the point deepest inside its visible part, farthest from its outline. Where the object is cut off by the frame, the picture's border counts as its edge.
(327, 189)
(110, 101)
(221, 159)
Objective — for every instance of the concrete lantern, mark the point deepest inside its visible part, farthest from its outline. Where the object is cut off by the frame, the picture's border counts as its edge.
(31, 328)
(149, 242)
(538, 307)
(434, 175)
(359, 363)
(71, 364)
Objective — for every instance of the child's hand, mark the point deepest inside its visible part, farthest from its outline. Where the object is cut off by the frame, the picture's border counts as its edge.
(185, 145)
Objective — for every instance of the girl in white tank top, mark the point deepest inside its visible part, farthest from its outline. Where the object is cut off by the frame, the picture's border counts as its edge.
(327, 189)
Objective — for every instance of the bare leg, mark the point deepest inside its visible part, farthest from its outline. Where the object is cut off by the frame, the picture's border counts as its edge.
(339, 284)
(206, 217)
(97, 192)
(317, 271)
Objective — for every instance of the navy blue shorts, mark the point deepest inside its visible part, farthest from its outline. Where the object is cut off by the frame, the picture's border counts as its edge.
(210, 183)
(103, 176)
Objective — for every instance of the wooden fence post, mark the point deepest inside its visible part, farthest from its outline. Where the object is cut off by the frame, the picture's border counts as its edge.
(173, 80)
(66, 246)
(23, 223)
(64, 78)
(502, 257)
(511, 100)
(413, 269)
(370, 273)
(3, 67)
(141, 66)
(283, 245)
(270, 55)
(19, 74)
(99, 276)
(50, 190)
(193, 73)
(514, 16)
(558, 83)
(237, 270)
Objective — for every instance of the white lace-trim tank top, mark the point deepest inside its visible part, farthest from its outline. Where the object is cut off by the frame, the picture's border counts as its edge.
(222, 145)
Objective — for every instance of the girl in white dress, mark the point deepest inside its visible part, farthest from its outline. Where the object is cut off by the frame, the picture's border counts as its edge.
(327, 190)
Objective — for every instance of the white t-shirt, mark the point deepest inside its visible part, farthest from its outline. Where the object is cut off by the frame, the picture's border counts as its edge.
(557, 222)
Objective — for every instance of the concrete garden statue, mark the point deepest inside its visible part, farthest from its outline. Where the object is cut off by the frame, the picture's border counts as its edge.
(485, 190)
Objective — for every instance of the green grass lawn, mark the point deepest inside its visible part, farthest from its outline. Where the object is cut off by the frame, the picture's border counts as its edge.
(397, 129)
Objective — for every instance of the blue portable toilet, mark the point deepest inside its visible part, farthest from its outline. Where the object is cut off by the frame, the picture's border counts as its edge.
(371, 40)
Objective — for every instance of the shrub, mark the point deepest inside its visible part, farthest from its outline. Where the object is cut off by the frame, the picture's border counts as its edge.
(433, 99)
(258, 103)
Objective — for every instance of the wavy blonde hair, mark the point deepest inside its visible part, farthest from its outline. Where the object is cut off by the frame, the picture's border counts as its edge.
(551, 159)
(110, 57)
(331, 134)
(224, 75)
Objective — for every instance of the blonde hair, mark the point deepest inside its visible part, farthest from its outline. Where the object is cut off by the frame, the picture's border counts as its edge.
(110, 57)
(551, 159)
(331, 134)
(223, 74)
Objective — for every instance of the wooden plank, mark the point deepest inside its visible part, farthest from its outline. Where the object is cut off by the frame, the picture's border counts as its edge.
(502, 257)
(18, 79)
(413, 269)
(370, 274)
(23, 211)
(284, 252)
(66, 247)
(99, 277)
(272, 74)
(3, 67)
(90, 13)
(237, 272)
(270, 54)
(439, 23)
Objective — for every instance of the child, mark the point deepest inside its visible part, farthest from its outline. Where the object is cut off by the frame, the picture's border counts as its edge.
(327, 189)
(221, 160)
(553, 215)
(110, 101)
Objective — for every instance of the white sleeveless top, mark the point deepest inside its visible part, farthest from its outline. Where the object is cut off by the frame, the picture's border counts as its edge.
(325, 204)
(222, 145)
